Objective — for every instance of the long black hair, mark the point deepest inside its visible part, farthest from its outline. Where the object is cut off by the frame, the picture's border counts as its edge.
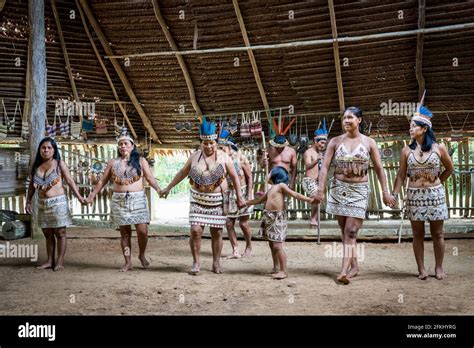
(428, 139)
(358, 113)
(39, 159)
(134, 160)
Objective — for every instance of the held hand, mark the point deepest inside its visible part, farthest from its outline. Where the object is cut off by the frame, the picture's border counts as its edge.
(395, 201)
(28, 208)
(241, 202)
(319, 196)
(388, 200)
(164, 193)
(90, 199)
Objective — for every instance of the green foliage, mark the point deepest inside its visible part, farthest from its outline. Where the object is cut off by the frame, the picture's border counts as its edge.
(166, 167)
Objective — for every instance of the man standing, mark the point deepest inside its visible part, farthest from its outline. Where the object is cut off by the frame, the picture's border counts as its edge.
(281, 155)
(313, 158)
(244, 172)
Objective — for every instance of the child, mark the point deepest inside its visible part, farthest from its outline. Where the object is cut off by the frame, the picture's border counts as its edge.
(274, 224)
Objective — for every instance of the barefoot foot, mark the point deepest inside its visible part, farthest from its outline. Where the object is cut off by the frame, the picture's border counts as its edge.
(216, 268)
(342, 278)
(354, 272)
(144, 261)
(58, 268)
(422, 275)
(196, 267)
(279, 275)
(46, 265)
(439, 274)
(235, 254)
(247, 252)
(275, 270)
(125, 268)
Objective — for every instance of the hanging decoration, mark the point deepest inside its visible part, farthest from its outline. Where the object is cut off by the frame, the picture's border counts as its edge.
(3, 126)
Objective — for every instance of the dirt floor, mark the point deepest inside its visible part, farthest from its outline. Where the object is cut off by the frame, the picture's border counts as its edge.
(91, 283)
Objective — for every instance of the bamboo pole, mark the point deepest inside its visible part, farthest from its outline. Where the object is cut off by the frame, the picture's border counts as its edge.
(107, 75)
(253, 62)
(419, 48)
(461, 181)
(297, 44)
(121, 74)
(337, 62)
(468, 183)
(181, 62)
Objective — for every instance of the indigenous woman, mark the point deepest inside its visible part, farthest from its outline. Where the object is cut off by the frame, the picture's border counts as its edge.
(349, 189)
(244, 172)
(54, 216)
(422, 162)
(207, 169)
(129, 204)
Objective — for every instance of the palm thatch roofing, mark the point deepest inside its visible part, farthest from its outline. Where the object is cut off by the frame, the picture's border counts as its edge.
(372, 70)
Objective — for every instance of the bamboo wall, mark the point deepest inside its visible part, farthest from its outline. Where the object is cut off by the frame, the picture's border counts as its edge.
(459, 187)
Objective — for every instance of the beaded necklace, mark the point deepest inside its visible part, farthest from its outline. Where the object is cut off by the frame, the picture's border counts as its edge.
(124, 176)
(207, 180)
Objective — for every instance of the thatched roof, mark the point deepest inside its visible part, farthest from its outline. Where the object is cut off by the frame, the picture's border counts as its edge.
(378, 70)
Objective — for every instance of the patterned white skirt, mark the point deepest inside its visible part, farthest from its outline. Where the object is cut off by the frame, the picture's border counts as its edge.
(234, 211)
(310, 186)
(427, 204)
(206, 209)
(54, 212)
(274, 226)
(129, 208)
(348, 199)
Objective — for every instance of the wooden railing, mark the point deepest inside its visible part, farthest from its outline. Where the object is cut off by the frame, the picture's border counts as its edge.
(459, 187)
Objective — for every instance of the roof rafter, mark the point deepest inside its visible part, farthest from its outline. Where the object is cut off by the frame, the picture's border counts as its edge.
(64, 49)
(253, 62)
(419, 48)
(181, 62)
(337, 61)
(121, 74)
(101, 62)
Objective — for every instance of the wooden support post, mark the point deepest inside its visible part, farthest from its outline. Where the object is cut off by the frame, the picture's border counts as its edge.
(337, 62)
(37, 105)
(64, 49)
(419, 48)
(118, 68)
(27, 103)
(256, 74)
(107, 75)
(181, 62)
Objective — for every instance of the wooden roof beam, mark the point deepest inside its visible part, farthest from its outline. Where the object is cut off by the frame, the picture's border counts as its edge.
(65, 54)
(101, 62)
(419, 48)
(337, 61)
(118, 68)
(256, 74)
(181, 62)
